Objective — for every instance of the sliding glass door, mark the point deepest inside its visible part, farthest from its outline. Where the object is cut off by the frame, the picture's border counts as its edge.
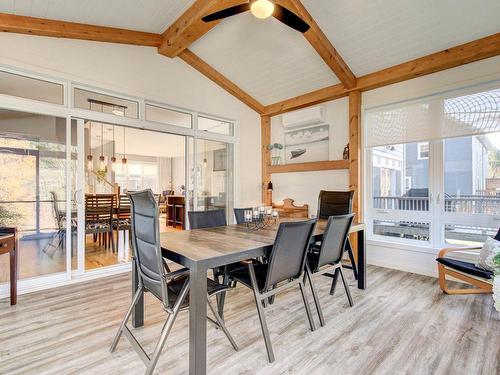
(113, 160)
(33, 196)
(211, 177)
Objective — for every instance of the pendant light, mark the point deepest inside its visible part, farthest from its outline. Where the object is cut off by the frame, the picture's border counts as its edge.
(90, 163)
(124, 159)
(102, 159)
(113, 158)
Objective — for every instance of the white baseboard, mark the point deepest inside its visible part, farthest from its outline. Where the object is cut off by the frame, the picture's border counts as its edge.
(53, 281)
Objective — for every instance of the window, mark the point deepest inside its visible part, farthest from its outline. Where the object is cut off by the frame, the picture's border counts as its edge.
(402, 229)
(168, 116)
(215, 126)
(423, 150)
(31, 88)
(137, 176)
(400, 179)
(112, 105)
(442, 191)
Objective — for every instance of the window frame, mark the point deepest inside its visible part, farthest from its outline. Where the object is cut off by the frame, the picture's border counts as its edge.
(420, 145)
(436, 216)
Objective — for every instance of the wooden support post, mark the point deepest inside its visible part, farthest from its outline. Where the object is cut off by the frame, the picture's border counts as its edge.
(355, 158)
(265, 129)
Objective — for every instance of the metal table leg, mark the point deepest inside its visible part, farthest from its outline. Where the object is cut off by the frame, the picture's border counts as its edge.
(198, 320)
(361, 260)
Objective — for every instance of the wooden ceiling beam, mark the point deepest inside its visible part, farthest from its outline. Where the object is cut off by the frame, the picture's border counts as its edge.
(189, 27)
(321, 44)
(62, 29)
(205, 69)
(306, 100)
(450, 58)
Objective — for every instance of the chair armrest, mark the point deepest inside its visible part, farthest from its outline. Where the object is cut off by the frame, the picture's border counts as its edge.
(447, 250)
(175, 274)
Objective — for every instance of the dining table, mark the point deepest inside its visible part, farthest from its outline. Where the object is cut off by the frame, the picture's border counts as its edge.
(208, 248)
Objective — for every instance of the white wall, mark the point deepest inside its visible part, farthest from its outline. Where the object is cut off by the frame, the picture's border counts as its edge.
(304, 187)
(411, 258)
(142, 72)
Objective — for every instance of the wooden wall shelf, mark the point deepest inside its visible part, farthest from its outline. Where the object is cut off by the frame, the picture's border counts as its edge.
(327, 165)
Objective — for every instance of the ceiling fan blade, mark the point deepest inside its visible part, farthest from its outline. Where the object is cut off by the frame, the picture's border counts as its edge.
(290, 19)
(228, 12)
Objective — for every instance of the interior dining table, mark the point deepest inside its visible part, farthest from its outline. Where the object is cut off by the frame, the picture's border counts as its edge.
(204, 249)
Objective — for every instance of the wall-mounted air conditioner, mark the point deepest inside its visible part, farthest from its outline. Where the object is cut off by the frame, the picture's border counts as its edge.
(304, 117)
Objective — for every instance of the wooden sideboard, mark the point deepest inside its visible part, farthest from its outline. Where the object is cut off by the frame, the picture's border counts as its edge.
(8, 245)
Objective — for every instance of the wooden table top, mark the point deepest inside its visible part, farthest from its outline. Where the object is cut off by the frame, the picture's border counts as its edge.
(216, 246)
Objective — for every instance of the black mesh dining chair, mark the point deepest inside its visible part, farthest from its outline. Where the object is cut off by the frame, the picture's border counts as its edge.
(329, 257)
(239, 214)
(207, 219)
(332, 203)
(170, 288)
(284, 269)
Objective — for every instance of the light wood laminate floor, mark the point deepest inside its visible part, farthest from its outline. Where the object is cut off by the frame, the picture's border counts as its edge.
(402, 324)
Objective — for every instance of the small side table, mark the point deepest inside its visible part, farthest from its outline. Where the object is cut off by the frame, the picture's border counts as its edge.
(8, 244)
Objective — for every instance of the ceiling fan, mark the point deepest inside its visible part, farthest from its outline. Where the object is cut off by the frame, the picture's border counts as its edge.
(262, 9)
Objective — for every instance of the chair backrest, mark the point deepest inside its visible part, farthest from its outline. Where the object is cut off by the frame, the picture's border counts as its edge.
(99, 207)
(288, 255)
(57, 211)
(239, 214)
(334, 239)
(207, 219)
(124, 207)
(331, 203)
(145, 232)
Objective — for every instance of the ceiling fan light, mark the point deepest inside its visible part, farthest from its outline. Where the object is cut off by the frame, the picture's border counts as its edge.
(262, 8)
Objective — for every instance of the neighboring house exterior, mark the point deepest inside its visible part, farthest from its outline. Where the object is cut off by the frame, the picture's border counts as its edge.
(466, 168)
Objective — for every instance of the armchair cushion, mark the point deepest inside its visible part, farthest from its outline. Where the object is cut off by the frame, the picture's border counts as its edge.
(465, 267)
(490, 248)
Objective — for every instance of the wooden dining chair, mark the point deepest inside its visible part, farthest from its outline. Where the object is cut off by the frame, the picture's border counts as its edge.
(284, 270)
(328, 260)
(99, 210)
(121, 219)
(170, 288)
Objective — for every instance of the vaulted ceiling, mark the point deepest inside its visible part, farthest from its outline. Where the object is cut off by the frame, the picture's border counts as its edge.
(271, 62)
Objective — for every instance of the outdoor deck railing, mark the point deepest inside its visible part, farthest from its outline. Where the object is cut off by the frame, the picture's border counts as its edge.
(469, 204)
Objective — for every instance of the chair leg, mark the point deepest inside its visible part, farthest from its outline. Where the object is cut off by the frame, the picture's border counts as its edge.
(334, 281)
(260, 310)
(346, 287)
(352, 260)
(166, 329)
(315, 296)
(221, 324)
(263, 325)
(222, 297)
(307, 307)
(125, 319)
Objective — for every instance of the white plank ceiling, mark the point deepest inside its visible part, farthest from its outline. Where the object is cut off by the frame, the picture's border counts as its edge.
(374, 34)
(143, 15)
(265, 58)
(272, 62)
